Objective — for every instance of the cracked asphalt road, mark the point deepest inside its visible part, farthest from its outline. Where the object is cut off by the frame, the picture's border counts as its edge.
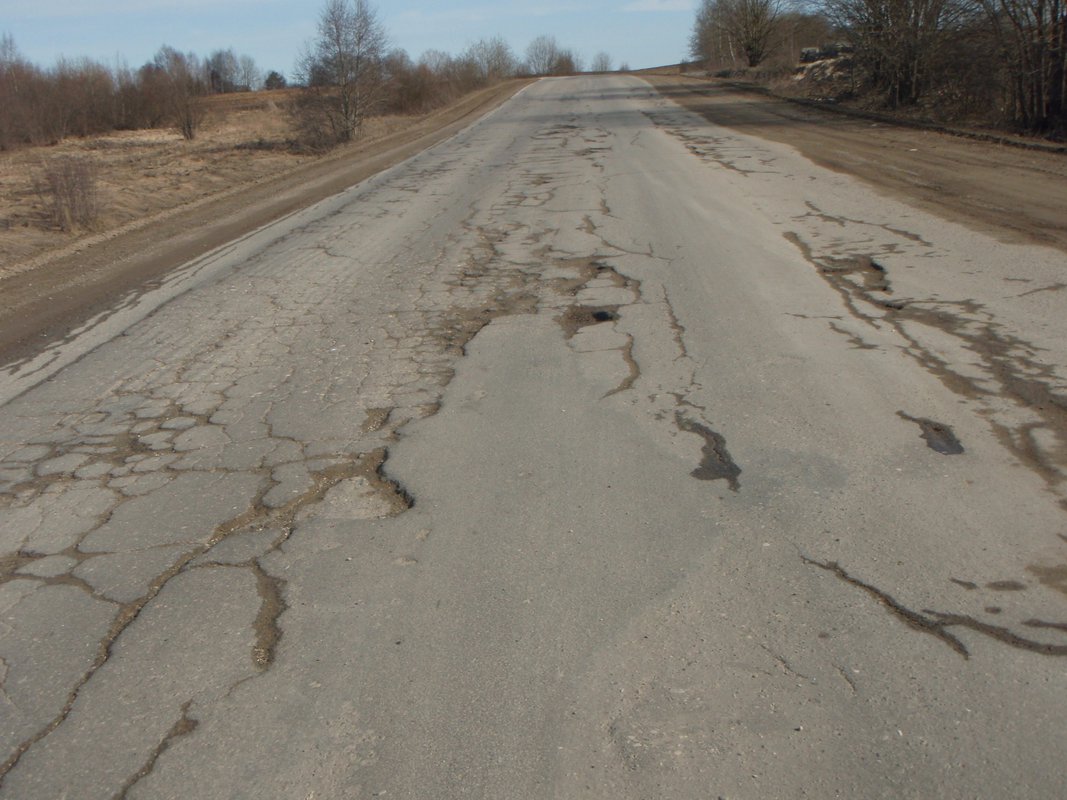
(598, 451)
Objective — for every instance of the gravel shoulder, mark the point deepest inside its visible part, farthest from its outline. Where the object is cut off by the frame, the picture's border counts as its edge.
(1017, 196)
(72, 285)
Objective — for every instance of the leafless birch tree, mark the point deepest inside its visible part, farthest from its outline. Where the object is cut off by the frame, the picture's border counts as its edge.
(341, 70)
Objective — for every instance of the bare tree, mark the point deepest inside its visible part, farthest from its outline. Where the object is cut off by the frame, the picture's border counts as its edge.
(17, 77)
(727, 30)
(568, 62)
(184, 89)
(9, 52)
(976, 55)
(437, 61)
(706, 38)
(222, 71)
(145, 97)
(800, 30)
(493, 58)
(541, 55)
(228, 72)
(1032, 36)
(249, 76)
(451, 76)
(898, 41)
(341, 70)
(84, 93)
(601, 63)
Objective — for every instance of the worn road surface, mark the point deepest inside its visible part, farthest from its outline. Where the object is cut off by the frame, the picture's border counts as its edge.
(597, 452)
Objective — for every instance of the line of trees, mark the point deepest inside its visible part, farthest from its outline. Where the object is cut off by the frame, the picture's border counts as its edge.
(750, 33)
(345, 73)
(545, 56)
(82, 97)
(956, 56)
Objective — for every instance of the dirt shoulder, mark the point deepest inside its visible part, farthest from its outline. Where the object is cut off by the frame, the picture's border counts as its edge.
(47, 297)
(1015, 195)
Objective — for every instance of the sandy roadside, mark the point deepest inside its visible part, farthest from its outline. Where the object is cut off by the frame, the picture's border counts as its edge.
(55, 293)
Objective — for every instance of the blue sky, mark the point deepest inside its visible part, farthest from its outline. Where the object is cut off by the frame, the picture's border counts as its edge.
(642, 33)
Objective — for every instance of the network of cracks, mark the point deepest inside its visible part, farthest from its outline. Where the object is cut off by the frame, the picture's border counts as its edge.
(232, 420)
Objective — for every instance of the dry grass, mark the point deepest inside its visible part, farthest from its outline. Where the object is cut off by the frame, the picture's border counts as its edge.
(245, 139)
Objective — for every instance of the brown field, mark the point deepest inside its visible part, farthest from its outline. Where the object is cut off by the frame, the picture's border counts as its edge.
(144, 176)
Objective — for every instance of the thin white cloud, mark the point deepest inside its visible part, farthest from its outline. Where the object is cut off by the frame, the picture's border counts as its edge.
(659, 5)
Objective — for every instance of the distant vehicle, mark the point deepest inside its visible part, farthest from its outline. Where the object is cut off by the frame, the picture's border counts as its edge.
(809, 55)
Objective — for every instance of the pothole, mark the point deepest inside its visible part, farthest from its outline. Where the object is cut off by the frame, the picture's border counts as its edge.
(939, 436)
(577, 317)
(870, 272)
(716, 462)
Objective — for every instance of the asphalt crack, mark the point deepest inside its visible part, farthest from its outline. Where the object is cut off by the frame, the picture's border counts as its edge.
(785, 666)
(1005, 360)
(183, 727)
(3, 685)
(677, 329)
(844, 222)
(912, 619)
(125, 617)
(631, 364)
(272, 605)
(937, 623)
(258, 516)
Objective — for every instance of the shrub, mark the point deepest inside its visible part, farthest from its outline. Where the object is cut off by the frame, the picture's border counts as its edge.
(67, 187)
